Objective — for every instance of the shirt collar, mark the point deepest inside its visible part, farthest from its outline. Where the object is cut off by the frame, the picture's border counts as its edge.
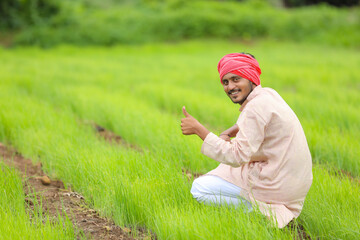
(251, 96)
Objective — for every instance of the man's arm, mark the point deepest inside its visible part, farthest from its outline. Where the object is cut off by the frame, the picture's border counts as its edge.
(229, 133)
(249, 138)
(189, 126)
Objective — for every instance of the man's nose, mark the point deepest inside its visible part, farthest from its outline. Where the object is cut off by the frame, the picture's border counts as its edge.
(231, 85)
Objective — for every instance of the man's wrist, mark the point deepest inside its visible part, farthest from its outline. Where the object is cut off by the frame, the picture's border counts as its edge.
(225, 134)
(202, 132)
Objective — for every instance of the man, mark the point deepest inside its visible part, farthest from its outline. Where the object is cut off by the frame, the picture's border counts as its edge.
(267, 163)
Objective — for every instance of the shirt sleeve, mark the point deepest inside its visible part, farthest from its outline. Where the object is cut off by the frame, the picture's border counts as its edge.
(241, 148)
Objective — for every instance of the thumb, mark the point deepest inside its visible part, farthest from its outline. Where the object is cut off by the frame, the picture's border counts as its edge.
(186, 114)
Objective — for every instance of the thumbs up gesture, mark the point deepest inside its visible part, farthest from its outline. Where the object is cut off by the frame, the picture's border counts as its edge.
(189, 126)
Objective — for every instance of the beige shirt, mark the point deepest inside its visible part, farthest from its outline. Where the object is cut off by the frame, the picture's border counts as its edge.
(269, 157)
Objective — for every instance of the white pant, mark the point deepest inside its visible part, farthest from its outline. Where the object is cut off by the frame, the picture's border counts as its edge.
(212, 190)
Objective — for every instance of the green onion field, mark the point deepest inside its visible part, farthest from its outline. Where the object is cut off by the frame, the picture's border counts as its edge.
(50, 100)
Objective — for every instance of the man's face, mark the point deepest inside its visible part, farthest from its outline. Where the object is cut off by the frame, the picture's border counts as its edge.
(236, 87)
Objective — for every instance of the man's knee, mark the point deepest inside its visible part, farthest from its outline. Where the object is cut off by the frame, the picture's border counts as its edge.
(207, 189)
(202, 186)
(196, 189)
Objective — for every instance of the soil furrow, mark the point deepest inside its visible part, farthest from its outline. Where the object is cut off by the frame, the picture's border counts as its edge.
(111, 137)
(56, 199)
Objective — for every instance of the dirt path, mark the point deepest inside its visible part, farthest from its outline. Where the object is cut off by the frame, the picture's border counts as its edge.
(55, 198)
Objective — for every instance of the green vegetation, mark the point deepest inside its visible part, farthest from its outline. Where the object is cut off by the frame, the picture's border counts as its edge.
(111, 22)
(339, 3)
(49, 97)
(15, 14)
(17, 222)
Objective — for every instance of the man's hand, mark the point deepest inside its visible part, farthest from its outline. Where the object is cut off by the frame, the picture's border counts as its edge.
(225, 137)
(229, 133)
(189, 126)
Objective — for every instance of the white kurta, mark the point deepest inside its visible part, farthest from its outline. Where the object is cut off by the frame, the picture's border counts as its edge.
(269, 157)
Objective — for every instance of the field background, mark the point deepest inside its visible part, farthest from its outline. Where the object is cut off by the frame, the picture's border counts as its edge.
(51, 98)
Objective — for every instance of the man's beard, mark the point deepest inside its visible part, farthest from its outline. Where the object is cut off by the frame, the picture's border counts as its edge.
(239, 101)
(244, 98)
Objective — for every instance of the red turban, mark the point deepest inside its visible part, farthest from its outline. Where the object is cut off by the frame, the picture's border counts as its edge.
(240, 64)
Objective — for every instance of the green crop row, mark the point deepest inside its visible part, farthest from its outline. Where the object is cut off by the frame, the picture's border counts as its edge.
(19, 222)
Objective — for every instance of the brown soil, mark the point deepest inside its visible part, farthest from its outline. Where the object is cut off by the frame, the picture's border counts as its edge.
(190, 175)
(113, 138)
(343, 173)
(57, 199)
(301, 233)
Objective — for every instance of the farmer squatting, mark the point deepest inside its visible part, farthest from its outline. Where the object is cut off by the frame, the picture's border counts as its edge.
(264, 158)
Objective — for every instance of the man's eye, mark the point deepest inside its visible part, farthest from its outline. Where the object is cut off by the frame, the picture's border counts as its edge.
(236, 79)
(225, 82)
